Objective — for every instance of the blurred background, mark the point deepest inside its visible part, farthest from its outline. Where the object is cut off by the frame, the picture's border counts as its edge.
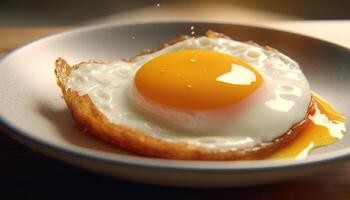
(69, 12)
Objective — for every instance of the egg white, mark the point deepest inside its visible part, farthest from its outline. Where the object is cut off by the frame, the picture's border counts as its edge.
(266, 114)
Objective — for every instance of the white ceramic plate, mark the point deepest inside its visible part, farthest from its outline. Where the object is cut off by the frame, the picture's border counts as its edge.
(33, 112)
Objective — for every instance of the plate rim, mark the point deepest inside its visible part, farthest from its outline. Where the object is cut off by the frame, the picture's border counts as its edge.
(36, 143)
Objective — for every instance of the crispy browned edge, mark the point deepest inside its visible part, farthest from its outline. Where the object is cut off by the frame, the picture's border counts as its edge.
(92, 121)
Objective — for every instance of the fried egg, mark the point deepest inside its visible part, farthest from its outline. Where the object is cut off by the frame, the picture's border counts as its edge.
(216, 93)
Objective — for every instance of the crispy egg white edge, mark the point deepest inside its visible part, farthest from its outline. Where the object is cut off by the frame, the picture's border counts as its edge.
(268, 113)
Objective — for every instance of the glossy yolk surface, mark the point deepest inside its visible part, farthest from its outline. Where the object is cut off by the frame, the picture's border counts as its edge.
(325, 127)
(196, 80)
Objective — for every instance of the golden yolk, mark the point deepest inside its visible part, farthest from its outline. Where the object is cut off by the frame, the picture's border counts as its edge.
(196, 80)
(325, 127)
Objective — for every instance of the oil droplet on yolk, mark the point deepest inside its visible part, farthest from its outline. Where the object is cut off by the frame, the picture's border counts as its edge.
(196, 80)
(325, 127)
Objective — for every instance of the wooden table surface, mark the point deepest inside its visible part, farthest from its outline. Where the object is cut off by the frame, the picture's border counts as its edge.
(25, 173)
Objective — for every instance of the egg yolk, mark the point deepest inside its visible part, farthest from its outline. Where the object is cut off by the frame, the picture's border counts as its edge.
(325, 127)
(196, 80)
